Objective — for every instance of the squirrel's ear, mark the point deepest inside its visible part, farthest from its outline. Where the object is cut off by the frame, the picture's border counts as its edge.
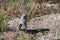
(20, 26)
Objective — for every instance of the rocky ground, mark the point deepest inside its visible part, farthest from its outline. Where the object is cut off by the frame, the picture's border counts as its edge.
(41, 28)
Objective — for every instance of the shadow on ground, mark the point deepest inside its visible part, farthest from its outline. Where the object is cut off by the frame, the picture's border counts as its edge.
(35, 31)
(32, 31)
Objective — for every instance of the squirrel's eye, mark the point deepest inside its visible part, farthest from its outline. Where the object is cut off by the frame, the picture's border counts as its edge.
(20, 25)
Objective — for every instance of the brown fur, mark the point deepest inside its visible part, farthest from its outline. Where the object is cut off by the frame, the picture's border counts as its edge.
(20, 26)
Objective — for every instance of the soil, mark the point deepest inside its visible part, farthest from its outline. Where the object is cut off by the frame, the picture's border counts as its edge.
(46, 27)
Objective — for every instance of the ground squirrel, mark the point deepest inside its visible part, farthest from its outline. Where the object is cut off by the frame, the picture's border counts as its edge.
(23, 22)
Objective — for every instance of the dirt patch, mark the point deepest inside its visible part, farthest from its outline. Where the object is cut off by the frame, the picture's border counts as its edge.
(45, 27)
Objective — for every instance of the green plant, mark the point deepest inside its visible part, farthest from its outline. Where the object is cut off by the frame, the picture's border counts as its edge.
(26, 37)
(3, 24)
(29, 15)
(23, 37)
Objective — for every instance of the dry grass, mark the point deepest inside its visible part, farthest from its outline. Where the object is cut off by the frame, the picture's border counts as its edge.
(33, 8)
